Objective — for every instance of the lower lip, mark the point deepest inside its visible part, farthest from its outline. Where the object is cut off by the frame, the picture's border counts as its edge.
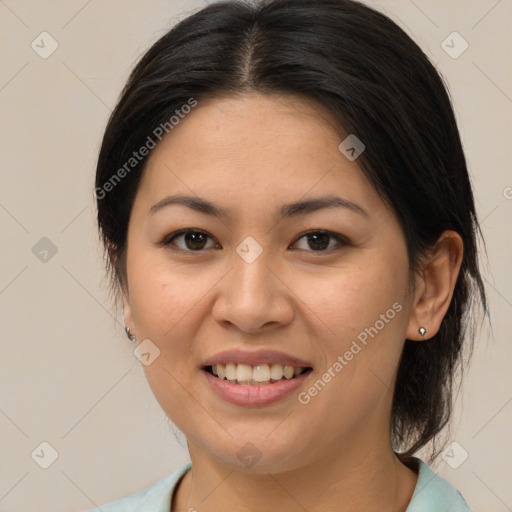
(256, 395)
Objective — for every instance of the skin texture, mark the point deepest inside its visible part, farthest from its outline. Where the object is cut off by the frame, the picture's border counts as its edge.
(251, 154)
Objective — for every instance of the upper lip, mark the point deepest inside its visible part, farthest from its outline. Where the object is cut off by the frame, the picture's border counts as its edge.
(256, 357)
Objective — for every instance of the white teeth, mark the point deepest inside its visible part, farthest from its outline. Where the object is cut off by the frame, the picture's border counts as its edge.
(243, 373)
(254, 375)
(288, 371)
(276, 372)
(230, 371)
(261, 373)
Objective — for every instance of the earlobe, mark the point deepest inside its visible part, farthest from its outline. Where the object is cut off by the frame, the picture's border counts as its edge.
(128, 321)
(435, 286)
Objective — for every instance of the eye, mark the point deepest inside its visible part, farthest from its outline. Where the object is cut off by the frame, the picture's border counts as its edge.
(319, 240)
(193, 240)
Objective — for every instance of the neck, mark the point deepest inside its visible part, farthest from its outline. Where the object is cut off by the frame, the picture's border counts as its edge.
(354, 479)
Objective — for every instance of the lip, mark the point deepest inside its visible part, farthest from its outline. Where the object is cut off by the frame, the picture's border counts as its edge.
(253, 395)
(256, 357)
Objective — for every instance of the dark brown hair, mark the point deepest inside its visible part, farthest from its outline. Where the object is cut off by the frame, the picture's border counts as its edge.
(378, 83)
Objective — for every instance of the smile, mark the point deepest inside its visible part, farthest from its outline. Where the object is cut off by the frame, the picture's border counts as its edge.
(262, 374)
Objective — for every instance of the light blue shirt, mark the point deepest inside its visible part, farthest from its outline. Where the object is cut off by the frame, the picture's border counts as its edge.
(431, 494)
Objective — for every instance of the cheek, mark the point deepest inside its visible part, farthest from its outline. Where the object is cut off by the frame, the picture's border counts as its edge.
(346, 301)
(169, 306)
(361, 317)
(163, 305)
(366, 317)
(162, 296)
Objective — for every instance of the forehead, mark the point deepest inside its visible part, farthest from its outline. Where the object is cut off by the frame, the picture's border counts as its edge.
(255, 148)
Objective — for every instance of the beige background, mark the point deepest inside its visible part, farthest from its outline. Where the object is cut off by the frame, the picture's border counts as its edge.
(68, 374)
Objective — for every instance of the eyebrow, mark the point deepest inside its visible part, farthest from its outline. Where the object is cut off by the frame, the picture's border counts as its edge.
(285, 211)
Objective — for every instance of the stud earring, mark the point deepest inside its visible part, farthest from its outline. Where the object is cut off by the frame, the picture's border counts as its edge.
(422, 331)
(131, 337)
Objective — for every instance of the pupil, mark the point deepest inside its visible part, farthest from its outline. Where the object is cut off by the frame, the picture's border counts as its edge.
(315, 239)
(193, 238)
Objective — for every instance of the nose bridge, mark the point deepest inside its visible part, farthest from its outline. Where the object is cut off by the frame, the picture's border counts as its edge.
(253, 296)
(252, 277)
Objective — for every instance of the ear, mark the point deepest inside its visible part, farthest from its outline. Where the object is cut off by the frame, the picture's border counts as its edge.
(127, 311)
(117, 262)
(434, 286)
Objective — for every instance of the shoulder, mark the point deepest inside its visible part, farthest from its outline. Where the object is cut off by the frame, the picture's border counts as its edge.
(434, 494)
(155, 498)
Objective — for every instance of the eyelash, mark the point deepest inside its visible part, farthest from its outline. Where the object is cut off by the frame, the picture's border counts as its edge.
(342, 241)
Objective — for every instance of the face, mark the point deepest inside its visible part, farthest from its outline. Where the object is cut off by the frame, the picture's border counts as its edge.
(285, 256)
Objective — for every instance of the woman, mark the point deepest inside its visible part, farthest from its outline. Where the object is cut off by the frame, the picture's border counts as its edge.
(287, 214)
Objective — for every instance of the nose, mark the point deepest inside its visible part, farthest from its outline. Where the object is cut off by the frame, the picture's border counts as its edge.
(253, 296)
